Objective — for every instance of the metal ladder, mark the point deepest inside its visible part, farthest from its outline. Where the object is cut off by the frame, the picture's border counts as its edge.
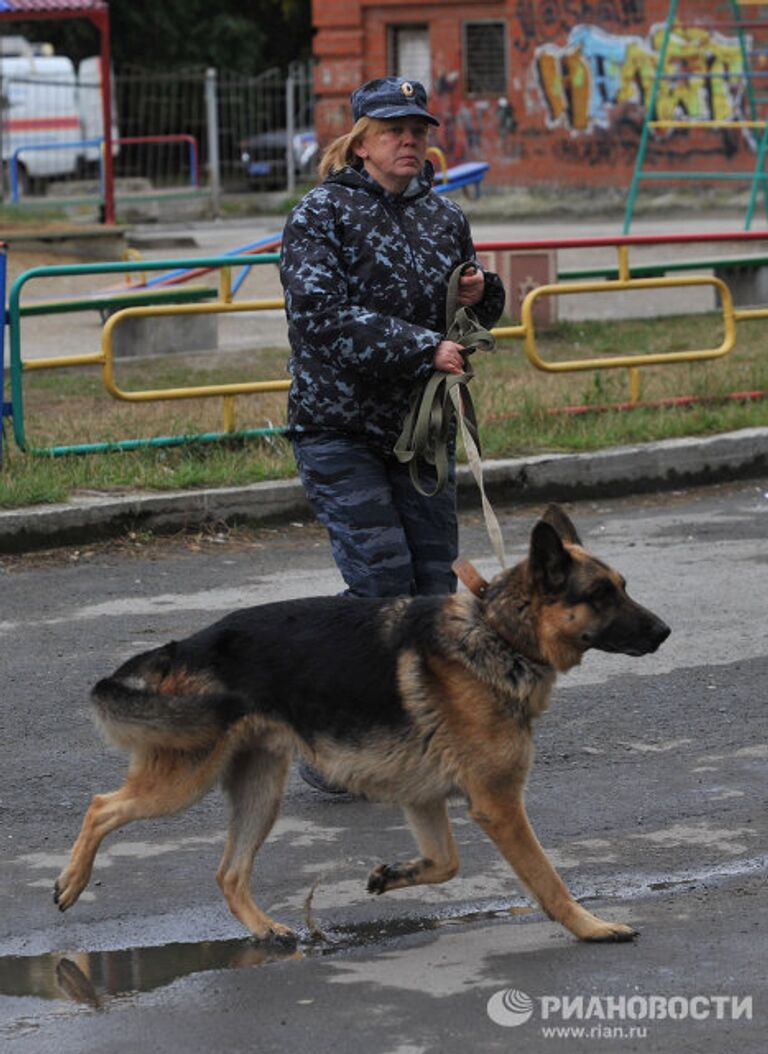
(751, 30)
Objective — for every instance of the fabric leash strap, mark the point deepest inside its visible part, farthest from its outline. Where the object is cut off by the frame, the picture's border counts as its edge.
(426, 431)
(476, 467)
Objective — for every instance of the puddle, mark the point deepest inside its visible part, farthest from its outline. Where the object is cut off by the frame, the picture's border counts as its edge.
(94, 978)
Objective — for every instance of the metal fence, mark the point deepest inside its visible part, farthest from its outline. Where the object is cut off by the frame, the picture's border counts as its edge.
(171, 129)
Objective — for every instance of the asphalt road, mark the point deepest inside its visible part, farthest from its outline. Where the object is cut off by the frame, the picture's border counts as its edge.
(648, 792)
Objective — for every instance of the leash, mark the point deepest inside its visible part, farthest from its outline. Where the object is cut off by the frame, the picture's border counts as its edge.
(426, 430)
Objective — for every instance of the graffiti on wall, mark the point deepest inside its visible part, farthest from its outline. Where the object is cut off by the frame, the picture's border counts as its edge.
(548, 19)
(584, 80)
(466, 124)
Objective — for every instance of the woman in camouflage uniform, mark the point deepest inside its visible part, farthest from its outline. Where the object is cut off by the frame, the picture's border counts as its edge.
(365, 263)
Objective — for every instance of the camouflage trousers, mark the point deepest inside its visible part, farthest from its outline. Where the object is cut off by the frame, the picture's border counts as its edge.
(386, 538)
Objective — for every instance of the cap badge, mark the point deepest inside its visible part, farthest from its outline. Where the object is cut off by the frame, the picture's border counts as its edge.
(407, 89)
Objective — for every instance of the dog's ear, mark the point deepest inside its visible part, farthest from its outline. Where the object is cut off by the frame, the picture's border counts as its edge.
(555, 517)
(549, 562)
(469, 576)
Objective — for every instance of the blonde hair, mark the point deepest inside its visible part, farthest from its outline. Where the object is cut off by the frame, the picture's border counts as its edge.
(341, 152)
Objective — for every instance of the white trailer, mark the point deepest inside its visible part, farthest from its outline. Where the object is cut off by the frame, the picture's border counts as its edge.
(47, 104)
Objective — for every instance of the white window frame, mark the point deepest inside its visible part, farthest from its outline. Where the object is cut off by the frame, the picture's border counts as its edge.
(420, 70)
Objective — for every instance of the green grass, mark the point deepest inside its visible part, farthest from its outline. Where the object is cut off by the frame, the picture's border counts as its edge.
(22, 216)
(514, 403)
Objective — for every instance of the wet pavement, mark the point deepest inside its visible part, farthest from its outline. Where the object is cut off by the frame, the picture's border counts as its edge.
(648, 793)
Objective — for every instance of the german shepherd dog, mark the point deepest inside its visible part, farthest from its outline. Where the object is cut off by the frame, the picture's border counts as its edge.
(406, 700)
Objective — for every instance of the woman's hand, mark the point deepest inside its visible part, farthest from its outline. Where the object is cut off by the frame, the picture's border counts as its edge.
(471, 288)
(449, 357)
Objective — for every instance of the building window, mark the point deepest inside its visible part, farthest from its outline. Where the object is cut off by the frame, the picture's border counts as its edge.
(485, 58)
(409, 54)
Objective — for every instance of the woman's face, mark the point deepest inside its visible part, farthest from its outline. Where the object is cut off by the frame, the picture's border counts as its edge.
(394, 152)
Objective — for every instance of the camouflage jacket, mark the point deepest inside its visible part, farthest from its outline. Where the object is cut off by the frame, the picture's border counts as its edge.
(365, 274)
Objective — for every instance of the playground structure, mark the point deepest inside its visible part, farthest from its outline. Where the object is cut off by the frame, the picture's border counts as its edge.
(171, 292)
(131, 304)
(684, 73)
(467, 175)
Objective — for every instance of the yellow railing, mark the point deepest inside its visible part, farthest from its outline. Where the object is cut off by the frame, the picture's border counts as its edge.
(226, 391)
(632, 363)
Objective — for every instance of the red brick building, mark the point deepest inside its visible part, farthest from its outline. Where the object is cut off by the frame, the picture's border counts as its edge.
(547, 91)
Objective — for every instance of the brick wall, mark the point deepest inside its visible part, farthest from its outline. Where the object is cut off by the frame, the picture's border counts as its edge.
(579, 76)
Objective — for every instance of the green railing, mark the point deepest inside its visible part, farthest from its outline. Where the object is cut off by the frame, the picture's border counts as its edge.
(170, 299)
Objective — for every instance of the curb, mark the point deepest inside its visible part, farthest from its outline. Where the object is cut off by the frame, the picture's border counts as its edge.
(616, 471)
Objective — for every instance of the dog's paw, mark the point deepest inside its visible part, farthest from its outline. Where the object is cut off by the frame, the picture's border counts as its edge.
(606, 932)
(390, 876)
(377, 880)
(277, 935)
(282, 937)
(588, 927)
(67, 888)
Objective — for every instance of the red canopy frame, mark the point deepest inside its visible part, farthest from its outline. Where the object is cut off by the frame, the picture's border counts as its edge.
(97, 12)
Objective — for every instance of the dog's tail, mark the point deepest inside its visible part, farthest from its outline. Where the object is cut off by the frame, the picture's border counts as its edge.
(151, 701)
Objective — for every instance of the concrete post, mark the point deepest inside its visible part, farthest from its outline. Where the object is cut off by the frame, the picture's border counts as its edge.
(290, 129)
(212, 127)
